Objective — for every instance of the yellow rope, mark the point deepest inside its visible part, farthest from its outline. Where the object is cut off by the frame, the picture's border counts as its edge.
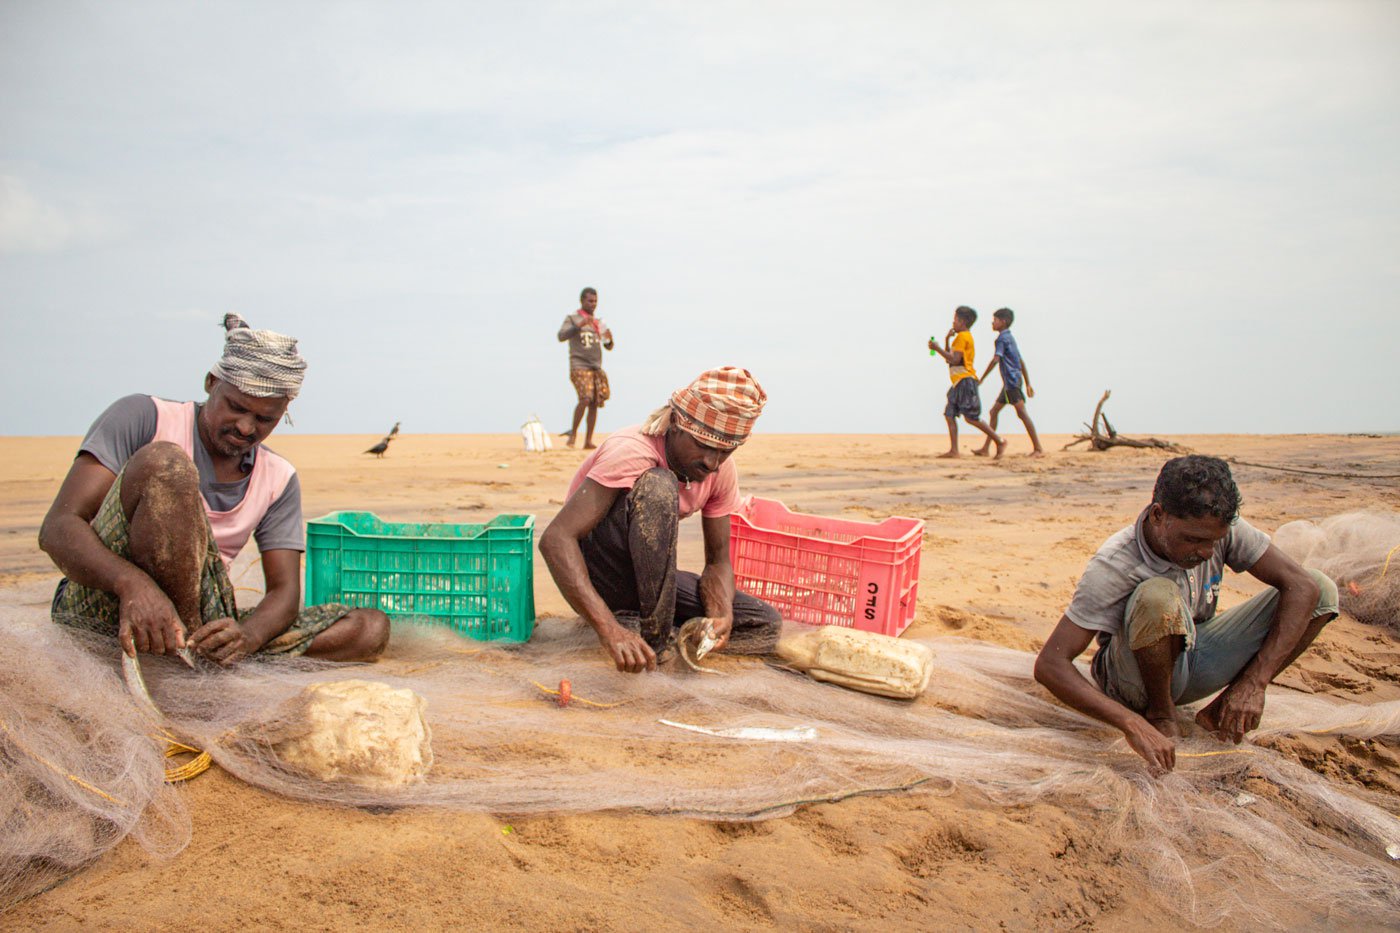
(1388, 556)
(575, 698)
(1226, 751)
(57, 770)
(191, 769)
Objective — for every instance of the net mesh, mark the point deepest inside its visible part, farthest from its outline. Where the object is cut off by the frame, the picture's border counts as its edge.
(79, 770)
(1234, 832)
(1359, 550)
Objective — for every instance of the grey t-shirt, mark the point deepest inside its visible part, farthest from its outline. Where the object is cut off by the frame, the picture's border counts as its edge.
(585, 346)
(1125, 560)
(129, 424)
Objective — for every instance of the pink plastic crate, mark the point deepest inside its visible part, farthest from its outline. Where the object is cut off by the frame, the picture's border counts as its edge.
(828, 571)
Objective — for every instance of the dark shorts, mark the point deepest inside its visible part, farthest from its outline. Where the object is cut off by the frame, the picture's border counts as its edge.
(1010, 395)
(963, 400)
(631, 561)
(591, 385)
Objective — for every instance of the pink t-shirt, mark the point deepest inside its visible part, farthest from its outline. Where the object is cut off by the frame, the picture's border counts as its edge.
(629, 453)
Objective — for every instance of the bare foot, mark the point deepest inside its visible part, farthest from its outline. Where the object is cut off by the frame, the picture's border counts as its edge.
(1036, 454)
(950, 455)
(980, 451)
(1167, 725)
(588, 446)
(1001, 449)
(570, 441)
(1206, 720)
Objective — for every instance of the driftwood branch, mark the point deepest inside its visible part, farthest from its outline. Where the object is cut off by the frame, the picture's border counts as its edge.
(1109, 436)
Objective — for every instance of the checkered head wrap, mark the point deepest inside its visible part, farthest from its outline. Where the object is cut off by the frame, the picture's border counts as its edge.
(719, 407)
(259, 363)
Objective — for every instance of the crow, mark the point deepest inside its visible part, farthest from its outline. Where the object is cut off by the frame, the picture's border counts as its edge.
(395, 431)
(379, 449)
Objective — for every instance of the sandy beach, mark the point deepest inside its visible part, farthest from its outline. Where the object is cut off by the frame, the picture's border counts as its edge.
(1004, 545)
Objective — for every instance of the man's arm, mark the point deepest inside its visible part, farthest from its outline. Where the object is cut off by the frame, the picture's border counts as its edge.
(1241, 705)
(559, 546)
(951, 357)
(990, 367)
(717, 579)
(1055, 670)
(148, 620)
(1026, 375)
(228, 641)
(568, 329)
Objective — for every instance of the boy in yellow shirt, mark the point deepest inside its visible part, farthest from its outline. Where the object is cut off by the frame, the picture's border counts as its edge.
(963, 400)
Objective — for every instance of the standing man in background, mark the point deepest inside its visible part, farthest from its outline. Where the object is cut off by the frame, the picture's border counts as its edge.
(588, 337)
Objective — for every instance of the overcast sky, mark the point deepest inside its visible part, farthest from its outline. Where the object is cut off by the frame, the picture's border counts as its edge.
(1196, 205)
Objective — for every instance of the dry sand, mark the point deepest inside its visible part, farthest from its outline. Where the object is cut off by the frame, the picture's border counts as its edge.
(1005, 543)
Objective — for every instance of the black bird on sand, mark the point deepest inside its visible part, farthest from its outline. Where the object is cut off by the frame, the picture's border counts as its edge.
(395, 431)
(379, 449)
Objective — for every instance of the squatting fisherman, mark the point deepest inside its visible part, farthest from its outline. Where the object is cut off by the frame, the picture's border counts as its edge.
(612, 547)
(161, 498)
(1149, 596)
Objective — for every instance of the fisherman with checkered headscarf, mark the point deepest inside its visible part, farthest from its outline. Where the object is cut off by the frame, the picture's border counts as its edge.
(612, 547)
(161, 498)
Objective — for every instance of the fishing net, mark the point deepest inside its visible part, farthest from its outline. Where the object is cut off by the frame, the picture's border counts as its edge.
(1234, 832)
(79, 770)
(1359, 550)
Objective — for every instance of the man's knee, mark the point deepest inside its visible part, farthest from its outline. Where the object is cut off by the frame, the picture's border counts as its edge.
(657, 486)
(159, 465)
(369, 632)
(1326, 607)
(1157, 612)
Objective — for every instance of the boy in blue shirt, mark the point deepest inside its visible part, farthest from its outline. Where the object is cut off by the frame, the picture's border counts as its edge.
(1013, 369)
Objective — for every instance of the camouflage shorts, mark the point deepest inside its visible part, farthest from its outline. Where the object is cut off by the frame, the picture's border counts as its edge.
(100, 611)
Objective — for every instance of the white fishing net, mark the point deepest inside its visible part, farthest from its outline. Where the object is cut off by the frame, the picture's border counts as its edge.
(1359, 550)
(1234, 832)
(79, 770)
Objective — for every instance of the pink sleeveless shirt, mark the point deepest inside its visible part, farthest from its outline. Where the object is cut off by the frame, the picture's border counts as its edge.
(271, 473)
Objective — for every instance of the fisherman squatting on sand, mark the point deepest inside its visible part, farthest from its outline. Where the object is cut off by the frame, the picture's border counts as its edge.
(161, 498)
(1150, 594)
(612, 547)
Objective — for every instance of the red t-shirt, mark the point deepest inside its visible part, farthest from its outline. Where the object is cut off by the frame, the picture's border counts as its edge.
(629, 453)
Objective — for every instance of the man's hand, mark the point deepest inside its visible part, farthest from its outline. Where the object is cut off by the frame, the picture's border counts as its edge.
(148, 620)
(1155, 748)
(224, 641)
(1030, 393)
(933, 345)
(1237, 710)
(722, 626)
(629, 652)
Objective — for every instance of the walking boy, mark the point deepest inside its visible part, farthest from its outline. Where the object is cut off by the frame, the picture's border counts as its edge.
(962, 397)
(1013, 368)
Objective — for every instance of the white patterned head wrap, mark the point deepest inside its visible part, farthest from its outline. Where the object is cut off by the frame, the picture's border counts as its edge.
(259, 363)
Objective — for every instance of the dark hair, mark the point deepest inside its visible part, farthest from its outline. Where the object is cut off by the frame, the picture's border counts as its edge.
(1006, 314)
(587, 291)
(1195, 486)
(968, 315)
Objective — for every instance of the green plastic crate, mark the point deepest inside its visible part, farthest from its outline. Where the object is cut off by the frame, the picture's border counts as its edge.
(477, 579)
